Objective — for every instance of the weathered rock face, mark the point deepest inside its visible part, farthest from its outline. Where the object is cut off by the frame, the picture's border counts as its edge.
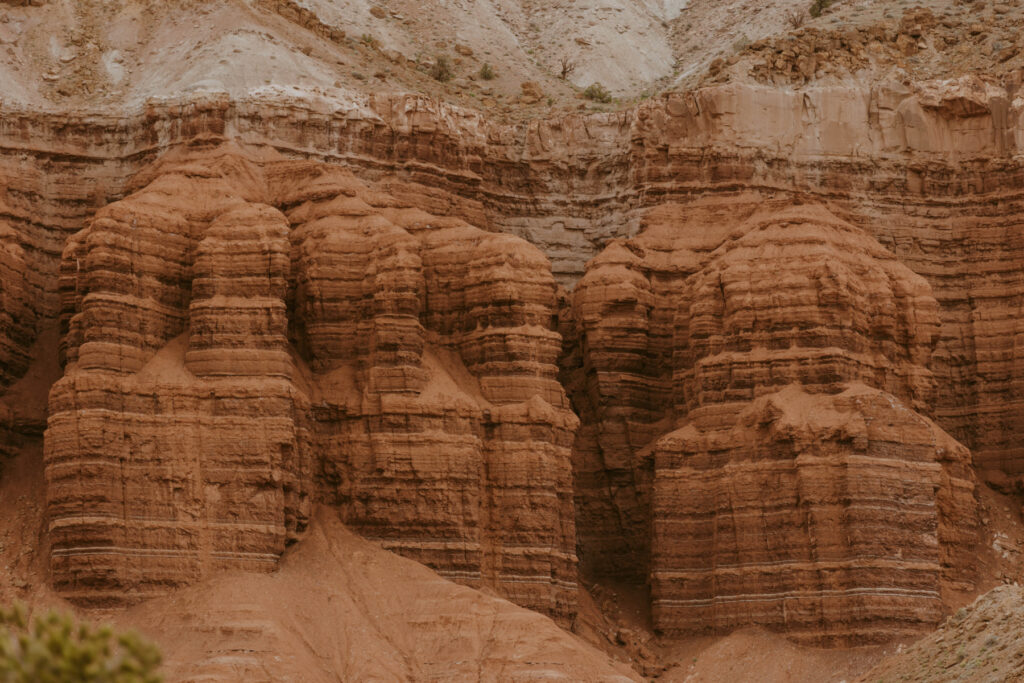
(175, 441)
(757, 508)
(228, 363)
(799, 296)
(17, 319)
(441, 425)
(838, 518)
(930, 170)
(688, 323)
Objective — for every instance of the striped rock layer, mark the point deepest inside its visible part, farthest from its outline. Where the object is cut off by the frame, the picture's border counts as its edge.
(244, 336)
(932, 174)
(752, 434)
(933, 171)
(838, 518)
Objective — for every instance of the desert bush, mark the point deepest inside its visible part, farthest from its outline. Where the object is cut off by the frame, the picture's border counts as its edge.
(795, 18)
(55, 648)
(565, 67)
(441, 69)
(487, 72)
(819, 6)
(597, 93)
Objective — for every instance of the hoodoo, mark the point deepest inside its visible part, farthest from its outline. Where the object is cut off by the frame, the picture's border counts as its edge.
(419, 396)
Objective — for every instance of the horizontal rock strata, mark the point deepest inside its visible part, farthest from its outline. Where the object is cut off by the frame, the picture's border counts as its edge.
(228, 363)
(930, 171)
(17, 317)
(739, 336)
(835, 518)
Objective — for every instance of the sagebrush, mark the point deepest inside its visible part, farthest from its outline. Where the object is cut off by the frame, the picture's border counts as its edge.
(819, 6)
(597, 93)
(441, 70)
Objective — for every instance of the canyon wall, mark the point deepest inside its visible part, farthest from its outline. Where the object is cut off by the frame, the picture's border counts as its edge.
(245, 335)
(754, 382)
(403, 353)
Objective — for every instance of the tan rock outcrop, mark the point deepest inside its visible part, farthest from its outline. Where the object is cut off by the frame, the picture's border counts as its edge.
(980, 642)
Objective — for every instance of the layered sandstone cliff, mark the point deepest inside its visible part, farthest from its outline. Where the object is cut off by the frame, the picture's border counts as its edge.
(446, 333)
(228, 363)
(17, 319)
(838, 518)
(750, 383)
(741, 351)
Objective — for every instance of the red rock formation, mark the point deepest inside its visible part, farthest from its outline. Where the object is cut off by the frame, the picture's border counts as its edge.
(931, 172)
(838, 518)
(17, 318)
(187, 434)
(175, 441)
(798, 296)
(695, 325)
(445, 432)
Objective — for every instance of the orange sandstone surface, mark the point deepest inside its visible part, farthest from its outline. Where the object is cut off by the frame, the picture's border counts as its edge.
(271, 333)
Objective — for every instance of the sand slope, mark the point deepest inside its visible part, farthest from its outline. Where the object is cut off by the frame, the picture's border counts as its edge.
(341, 608)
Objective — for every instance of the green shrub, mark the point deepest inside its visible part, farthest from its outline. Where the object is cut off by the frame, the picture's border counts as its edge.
(597, 93)
(487, 72)
(819, 6)
(369, 41)
(54, 648)
(441, 70)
